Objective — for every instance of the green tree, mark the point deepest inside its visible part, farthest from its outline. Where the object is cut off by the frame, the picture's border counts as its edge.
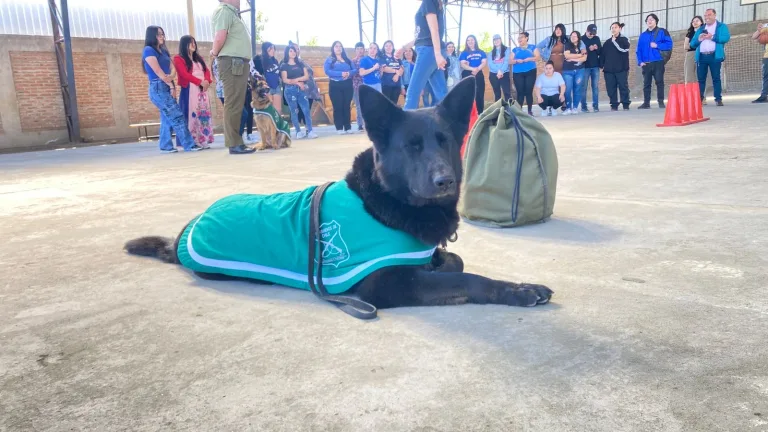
(485, 43)
(312, 42)
(261, 22)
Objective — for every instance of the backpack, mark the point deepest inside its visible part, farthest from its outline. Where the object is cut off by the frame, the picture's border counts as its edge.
(510, 169)
(665, 55)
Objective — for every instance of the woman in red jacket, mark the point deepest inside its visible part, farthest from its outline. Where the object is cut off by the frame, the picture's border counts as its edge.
(194, 79)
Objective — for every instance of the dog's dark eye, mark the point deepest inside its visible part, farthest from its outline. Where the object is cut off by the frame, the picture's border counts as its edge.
(415, 144)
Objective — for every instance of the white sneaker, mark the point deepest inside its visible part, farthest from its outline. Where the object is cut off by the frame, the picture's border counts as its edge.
(552, 112)
(340, 132)
(546, 112)
(574, 111)
(567, 112)
(249, 139)
(311, 135)
(350, 132)
(301, 134)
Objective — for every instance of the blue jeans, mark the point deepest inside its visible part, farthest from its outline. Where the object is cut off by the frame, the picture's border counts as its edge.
(356, 98)
(298, 99)
(428, 96)
(708, 62)
(170, 117)
(573, 82)
(425, 70)
(590, 74)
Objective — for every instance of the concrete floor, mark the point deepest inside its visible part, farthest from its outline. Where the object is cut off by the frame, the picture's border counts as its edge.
(657, 253)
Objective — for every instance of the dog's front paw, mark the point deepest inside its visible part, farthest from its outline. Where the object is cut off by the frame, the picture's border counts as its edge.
(525, 294)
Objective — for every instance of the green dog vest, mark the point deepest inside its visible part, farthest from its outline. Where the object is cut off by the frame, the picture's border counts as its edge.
(266, 237)
(281, 125)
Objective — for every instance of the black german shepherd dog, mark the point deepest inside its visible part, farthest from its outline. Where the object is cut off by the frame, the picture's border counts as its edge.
(409, 181)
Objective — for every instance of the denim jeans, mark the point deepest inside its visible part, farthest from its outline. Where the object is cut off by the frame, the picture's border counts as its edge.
(428, 98)
(708, 62)
(573, 82)
(425, 70)
(356, 98)
(593, 75)
(170, 117)
(298, 99)
(764, 92)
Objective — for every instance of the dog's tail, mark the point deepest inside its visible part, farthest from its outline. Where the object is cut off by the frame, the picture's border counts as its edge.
(153, 246)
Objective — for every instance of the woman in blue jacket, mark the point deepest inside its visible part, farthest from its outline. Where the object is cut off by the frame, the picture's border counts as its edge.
(498, 69)
(339, 70)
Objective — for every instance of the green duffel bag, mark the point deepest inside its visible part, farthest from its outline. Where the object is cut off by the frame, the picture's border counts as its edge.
(510, 169)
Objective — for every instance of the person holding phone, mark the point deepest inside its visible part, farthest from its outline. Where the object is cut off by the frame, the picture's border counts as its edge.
(709, 41)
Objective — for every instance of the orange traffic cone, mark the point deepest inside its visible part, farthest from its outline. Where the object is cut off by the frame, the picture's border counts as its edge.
(684, 106)
(694, 103)
(472, 120)
(672, 115)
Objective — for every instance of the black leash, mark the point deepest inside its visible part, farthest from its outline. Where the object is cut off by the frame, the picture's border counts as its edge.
(355, 307)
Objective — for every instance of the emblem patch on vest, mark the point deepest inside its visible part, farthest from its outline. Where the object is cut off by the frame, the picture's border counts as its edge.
(332, 245)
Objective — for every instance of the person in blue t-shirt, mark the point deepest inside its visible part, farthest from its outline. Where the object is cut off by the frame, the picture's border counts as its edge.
(156, 62)
(523, 62)
(650, 44)
(473, 61)
(340, 72)
(272, 74)
(370, 67)
(391, 72)
(498, 69)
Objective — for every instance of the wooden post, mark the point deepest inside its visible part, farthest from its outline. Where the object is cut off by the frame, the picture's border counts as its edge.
(191, 19)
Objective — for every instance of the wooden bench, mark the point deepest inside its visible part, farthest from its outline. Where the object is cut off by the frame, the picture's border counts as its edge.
(145, 136)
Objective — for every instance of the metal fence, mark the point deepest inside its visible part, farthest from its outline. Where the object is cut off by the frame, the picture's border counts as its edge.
(32, 17)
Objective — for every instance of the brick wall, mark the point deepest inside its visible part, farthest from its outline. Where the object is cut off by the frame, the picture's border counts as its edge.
(94, 95)
(38, 94)
(140, 109)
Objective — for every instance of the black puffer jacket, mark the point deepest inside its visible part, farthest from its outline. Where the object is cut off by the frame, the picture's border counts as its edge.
(613, 59)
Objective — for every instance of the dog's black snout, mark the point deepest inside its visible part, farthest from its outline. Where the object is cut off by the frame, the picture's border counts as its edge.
(444, 182)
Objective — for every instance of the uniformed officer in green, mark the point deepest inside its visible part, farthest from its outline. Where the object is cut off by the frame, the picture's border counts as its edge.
(232, 50)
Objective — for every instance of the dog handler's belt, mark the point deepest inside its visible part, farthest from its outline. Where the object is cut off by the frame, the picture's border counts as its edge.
(355, 307)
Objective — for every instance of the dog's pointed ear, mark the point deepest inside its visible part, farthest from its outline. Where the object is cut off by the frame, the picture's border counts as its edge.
(379, 114)
(456, 107)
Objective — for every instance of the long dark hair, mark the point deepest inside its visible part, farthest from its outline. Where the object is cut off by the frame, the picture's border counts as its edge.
(446, 47)
(691, 29)
(502, 49)
(378, 50)
(413, 57)
(466, 44)
(563, 38)
(569, 45)
(383, 51)
(343, 54)
(150, 40)
(184, 53)
(266, 60)
(286, 57)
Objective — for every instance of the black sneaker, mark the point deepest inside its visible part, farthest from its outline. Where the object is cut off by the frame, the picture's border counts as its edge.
(596, 109)
(761, 99)
(644, 106)
(626, 108)
(719, 103)
(661, 105)
(241, 149)
(614, 108)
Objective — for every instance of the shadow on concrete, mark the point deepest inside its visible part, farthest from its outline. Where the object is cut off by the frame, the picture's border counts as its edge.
(557, 230)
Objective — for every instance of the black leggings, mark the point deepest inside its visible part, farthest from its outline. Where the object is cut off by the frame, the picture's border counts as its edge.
(341, 93)
(524, 82)
(479, 89)
(500, 86)
(550, 101)
(392, 93)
